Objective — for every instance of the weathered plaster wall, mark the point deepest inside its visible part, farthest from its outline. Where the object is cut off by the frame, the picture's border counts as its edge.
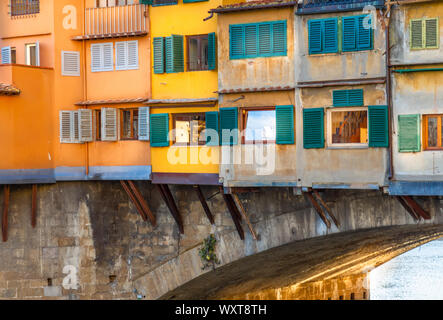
(251, 165)
(401, 52)
(257, 72)
(352, 167)
(338, 66)
(417, 93)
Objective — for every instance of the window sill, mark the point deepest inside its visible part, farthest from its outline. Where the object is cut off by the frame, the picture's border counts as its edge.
(341, 147)
(320, 54)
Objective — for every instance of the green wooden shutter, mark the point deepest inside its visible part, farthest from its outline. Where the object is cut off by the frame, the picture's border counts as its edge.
(347, 98)
(264, 39)
(159, 55)
(416, 34)
(349, 32)
(212, 123)
(159, 130)
(212, 47)
(313, 128)
(409, 133)
(251, 40)
(330, 35)
(228, 121)
(279, 38)
(191, 1)
(178, 53)
(364, 35)
(431, 33)
(146, 1)
(315, 36)
(169, 66)
(236, 41)
(284, 118)
(378, 126)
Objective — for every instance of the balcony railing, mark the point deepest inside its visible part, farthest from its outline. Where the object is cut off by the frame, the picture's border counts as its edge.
(113, 22)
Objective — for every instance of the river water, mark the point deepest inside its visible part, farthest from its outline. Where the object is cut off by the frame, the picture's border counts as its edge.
(417, 274)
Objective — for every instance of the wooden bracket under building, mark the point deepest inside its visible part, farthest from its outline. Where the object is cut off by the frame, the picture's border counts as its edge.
(6, 191)
(245, 216)
(408, 208)
(233, 210)
(328, 210)
(138, 201)
(34, 206)
(204, 204)
(170, 203)
(418, 210)
(318, 208)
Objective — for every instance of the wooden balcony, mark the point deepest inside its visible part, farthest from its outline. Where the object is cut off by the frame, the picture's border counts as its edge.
(115, 22)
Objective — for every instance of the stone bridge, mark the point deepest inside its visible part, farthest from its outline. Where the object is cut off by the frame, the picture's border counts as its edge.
(94, 227)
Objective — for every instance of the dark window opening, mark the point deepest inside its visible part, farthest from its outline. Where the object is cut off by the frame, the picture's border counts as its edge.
(13, 55)
(129, 124)
(352, 296)
(364, 295)
(188, 128)
(49, 282)
(341, 298)
(24, 7)
(112, 278)
(197, 52)
(98, 125)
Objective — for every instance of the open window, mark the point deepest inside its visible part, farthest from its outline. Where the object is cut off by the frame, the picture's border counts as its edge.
(188, 128)
(129, 124)
(259, 125)
(348, 127)
(32, 54)
(197, 52)
(433, 132)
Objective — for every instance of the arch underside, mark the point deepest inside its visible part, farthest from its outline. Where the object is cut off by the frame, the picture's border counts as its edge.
(319, 258)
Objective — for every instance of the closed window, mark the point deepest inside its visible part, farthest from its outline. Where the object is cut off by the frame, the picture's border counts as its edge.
(348, 126)
(126, 55)
(188, 128)
(24, 7)
(113, 3)
(70, 63)
(356, 33)
(424, 33)
(164, 2)
(265, 39)
(433, 131)
(259, 125)
(197, 52)
(129, 124)
(102, 57)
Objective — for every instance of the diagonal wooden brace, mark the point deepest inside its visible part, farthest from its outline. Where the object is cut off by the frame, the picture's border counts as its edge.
(245, 216)
(170, 203)
(417, 208)
(134, 200)
(318, 209)
(204, 204)
(328, 210)
(147, 211)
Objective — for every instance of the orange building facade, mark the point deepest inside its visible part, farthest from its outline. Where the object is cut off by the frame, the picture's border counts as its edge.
(73, 81)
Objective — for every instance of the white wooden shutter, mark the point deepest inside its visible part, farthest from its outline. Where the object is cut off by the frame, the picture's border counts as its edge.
(65, 127)
(75, 123)
(121, 55)
(96, 57)
(132, 47)
(6, 55)
(85, 125)
(70, 63)
(109, 124)
(37, 54)
(143, 123)
(108, 56)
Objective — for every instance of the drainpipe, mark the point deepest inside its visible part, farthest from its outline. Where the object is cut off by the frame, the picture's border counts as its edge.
(85, 80)
(388, 91)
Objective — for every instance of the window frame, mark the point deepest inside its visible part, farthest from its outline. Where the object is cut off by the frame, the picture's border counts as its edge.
(25, 8)
(198, 37)
(171, 3)
(425, 119)
(329, 143)
(28, 47)
(134, 134)
(188, 114)
(424, 27)
(243, 123)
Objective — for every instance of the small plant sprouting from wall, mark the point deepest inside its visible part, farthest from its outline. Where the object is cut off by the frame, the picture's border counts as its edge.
(207, 252)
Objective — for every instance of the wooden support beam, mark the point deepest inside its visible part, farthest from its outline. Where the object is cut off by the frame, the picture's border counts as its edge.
(408, 208)
(328, 210)
(134, 200)
(230, 204)
(170, 202)
(147, 211)
(6, 191)
(318, 209)
(34, 206)
(204, 204)
(245, 216)
(416, 207)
